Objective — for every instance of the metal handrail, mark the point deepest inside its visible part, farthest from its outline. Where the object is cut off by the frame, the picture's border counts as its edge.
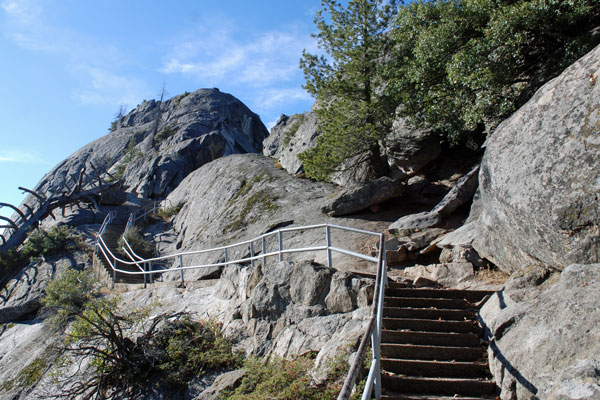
(373, 330)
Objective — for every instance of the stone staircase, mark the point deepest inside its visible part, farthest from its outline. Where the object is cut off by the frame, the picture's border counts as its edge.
(431, 347)
(111, 237)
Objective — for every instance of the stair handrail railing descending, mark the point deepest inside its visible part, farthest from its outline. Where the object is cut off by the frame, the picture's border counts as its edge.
(373, 331)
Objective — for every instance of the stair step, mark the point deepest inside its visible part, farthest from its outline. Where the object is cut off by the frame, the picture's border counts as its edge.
(439, 353)
(436, 386)
(427, 313)
(446, 369)
(397, 285)
(432, 397)
(425, 302)
(469, 295)
(430, 338)
(429, 325)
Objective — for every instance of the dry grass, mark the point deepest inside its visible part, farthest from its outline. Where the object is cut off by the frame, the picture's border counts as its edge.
(491, 276)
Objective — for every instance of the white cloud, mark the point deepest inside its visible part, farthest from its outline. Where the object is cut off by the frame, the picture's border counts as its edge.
(96, 67)
(225, 56)
(19, 156)
(273, 98)
(25, 11)
(106, 87)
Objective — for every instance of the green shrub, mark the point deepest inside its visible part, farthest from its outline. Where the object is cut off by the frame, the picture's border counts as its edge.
(164, 134)
(290, 133)
(46, 243)
(277, 378)
(167, 213)
(137, 241)
(39, 243)
(166, 351)
(68, 294)
(186, 349)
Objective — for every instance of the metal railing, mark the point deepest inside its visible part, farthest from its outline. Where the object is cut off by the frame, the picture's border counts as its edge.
(373, 331)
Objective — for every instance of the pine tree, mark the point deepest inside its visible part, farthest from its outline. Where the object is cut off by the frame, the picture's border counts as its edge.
(353, 110)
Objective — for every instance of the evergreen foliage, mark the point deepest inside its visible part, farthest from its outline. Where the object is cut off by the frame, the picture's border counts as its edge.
(462, 66)
(68, 294)
(39, 244)
(130, 353)
(352, 110)
(457, 66)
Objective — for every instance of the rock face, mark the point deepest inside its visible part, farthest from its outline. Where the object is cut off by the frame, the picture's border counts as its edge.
(158, 144)
(292, 308)
(546, 334)
(361, 196)
(540, 177)
(251, 197)
(406, 150)
(289, 137)
(22, 296)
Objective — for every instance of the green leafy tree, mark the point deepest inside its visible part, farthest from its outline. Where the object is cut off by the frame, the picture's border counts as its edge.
(462, 66)
(353, 110)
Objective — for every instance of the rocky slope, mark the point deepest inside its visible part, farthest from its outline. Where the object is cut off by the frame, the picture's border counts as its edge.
(156, 145)
(534, 216)
(405, 149)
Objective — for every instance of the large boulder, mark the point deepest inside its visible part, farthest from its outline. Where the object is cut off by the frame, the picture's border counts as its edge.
(540, 176)
(361, 196)
(252, 197)
(158, 144)
(545, 334)
(291, 136)
(405, 150)
(408, 149)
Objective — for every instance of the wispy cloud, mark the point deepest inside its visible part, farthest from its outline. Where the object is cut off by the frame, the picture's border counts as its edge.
(107, 87)
(95, 66)
(273, 98)
(20, 157)
(25, 11)
(225, 55)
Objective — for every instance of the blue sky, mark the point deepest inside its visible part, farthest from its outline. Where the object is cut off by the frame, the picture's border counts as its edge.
(66, 66)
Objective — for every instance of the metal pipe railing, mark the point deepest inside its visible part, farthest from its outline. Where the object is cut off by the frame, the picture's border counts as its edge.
(373, 331)
(373, 382)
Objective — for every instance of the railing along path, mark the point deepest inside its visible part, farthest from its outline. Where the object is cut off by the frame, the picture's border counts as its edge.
(146, 267)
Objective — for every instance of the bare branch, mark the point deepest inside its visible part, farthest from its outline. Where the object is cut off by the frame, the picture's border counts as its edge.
(10, 221)
(28, 209)
(16, 209)
(38, 196)
(100, 183)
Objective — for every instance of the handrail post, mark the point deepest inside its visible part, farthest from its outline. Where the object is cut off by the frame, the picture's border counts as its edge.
(252, 254)
(264, 250)
(328, 241)
(151, 269)
(181, 266)
(379, 320)
(114, 267)
(280, 245)
(226, 260)
(145, 269)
